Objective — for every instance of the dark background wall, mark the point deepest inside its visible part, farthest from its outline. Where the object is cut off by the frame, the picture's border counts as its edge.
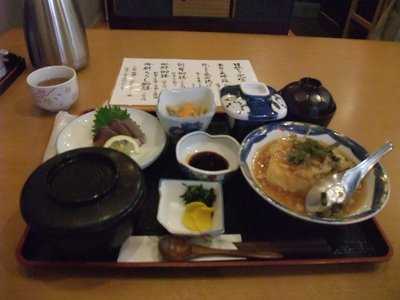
(11, 12)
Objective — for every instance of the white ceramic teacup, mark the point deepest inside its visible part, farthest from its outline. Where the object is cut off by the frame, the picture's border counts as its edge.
(54, 96)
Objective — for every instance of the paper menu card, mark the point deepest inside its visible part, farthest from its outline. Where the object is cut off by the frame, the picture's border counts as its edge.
(141, 80)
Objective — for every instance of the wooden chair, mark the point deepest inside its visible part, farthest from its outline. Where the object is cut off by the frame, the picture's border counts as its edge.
(354, 16)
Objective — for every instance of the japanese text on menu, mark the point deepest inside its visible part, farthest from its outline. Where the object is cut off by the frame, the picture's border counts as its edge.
(143, 80)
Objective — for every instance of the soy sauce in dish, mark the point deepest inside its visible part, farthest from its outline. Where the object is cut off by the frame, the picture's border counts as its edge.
(209, 161)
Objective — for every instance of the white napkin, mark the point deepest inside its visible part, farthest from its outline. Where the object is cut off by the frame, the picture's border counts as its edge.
(145, 248)
(61, 120)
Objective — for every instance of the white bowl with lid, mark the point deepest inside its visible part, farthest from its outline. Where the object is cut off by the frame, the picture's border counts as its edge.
(250, 105)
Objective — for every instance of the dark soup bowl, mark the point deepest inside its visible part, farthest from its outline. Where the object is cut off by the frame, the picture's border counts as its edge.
(85, 201)
(308, 101)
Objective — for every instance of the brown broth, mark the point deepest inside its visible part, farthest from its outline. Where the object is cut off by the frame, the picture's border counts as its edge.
(291, 200)
(209, 161)
(53, 81)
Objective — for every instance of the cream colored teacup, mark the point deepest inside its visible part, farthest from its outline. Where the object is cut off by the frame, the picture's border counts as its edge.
(54, 88)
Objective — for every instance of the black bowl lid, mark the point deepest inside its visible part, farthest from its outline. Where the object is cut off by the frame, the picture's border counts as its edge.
(82, 189)
(308, 98)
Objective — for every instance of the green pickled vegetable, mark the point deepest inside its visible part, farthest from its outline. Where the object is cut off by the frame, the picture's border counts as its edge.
(195, 193)
(308, 149)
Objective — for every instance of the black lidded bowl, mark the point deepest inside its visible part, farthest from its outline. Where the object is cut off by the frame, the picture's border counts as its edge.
(84, 201)
(308, 101)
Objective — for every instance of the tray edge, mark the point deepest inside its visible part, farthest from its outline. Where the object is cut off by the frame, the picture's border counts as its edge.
(198, 265)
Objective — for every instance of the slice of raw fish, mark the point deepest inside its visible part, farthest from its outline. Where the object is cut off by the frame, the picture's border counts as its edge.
(103, 135)
(134, 129)
(118, 127)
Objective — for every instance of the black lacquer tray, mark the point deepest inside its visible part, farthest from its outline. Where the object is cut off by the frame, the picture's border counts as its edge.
(245, 213)
(15, 65)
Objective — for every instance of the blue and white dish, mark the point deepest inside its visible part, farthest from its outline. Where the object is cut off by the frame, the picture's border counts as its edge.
(377, 184)
(176, 127)
(171, 207)
(199, 141)
(250, 105)
(254, 102)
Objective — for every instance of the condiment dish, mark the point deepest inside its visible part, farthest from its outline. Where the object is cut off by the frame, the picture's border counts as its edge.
(197, 142)
(171, 207)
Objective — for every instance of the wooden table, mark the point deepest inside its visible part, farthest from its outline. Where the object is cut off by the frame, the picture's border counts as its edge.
(364, 79)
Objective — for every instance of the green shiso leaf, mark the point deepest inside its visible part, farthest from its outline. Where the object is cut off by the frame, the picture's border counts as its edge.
(106, 114)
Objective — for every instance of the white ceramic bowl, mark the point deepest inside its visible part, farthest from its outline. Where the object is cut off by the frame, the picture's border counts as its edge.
(54, 97)
(199, 141)
(377, 183)
(171, 207)
(176, 126)
(78, 134)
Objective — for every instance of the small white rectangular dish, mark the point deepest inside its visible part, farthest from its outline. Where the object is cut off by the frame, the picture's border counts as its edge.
(171, 207)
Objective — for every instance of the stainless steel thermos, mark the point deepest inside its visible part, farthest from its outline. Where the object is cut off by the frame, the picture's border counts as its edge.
(55, 33)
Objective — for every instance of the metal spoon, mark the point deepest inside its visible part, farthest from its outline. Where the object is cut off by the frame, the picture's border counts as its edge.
(175, 248)
(330, 194)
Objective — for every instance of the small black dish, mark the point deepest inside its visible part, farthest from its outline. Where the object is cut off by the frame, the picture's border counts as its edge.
(308, 101)
(84, 200)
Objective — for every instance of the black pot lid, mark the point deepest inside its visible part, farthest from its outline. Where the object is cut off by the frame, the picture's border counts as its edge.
(82, 189)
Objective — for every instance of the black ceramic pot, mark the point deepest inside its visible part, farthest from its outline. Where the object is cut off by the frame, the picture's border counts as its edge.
(84, 201)
(308, 101)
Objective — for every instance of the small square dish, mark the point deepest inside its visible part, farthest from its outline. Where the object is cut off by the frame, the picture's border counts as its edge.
(171, 207)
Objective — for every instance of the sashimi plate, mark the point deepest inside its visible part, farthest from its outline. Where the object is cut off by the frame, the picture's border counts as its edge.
(78, 134)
